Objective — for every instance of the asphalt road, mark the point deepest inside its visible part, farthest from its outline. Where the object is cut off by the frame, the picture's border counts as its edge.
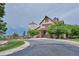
(48, 48)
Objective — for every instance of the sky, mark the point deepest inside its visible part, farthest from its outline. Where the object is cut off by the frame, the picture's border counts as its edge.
(19, 15)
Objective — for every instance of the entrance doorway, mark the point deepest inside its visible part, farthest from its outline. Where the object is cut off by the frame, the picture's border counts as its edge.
(43, 34)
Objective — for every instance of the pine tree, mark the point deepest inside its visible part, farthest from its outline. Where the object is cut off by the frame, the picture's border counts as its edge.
(3, 24)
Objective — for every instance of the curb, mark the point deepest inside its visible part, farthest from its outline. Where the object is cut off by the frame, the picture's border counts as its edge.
(74, 43)
(11, 51)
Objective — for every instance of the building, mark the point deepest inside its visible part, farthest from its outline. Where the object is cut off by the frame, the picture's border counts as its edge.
(32, 25)
(43, 25)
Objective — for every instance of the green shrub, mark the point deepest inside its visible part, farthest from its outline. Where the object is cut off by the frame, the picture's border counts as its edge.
(2, 37)
(33, 32)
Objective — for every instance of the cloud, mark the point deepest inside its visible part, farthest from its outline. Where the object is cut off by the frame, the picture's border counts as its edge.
(71, 12)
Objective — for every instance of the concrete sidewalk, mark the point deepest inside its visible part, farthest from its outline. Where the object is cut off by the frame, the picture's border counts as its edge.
(3, 42)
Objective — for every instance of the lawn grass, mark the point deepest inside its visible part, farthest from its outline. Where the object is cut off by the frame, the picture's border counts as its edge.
(12, 44)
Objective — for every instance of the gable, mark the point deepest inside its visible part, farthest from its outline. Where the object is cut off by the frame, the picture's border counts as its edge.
(47, 20)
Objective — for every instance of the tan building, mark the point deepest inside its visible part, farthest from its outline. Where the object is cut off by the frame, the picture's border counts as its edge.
(43, 26)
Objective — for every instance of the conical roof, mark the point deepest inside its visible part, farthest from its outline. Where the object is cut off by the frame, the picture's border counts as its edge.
(32, 23)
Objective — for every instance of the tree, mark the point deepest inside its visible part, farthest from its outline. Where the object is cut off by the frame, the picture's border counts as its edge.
(3, 24)
(33, 32)
(57, 29)
(15, 35)
(2, 11)
(3, 27)
(75, 31)
(71, 31)
(68, 30)
(24, 33)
